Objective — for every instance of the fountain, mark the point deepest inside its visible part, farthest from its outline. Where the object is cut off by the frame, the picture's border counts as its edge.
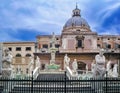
(52, 50)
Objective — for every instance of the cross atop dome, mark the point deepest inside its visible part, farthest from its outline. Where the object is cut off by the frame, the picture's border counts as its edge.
(76, 11)
(76, 6)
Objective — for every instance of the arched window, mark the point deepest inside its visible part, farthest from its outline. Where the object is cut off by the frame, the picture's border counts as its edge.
(18, 55)
(109, 46)
(81, 65)
(28, 55)
(98, 45)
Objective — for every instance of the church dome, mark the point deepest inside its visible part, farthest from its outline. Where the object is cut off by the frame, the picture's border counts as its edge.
(76, 20)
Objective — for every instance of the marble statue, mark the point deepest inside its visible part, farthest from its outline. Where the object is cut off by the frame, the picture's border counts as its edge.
(115, 72)
(7, 64)
(53, 40)
(93, 66)
(100, 65)
(31, 65)
(75, 66)
(18, 70)
(13, 72)
(7, 57)
(66, 61)
(53, 49)
(108, 66)
(109, 69)
(86, 68)
(38, 62)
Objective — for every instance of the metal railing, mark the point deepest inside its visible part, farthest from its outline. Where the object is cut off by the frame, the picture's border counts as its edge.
(63, 85)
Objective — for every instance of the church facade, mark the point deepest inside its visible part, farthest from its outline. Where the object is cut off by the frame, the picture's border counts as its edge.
(79, 42)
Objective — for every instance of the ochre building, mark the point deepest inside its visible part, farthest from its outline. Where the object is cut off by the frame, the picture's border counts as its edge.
(21, 52)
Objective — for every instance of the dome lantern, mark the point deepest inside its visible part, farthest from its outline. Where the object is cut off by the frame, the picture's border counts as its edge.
(76, 11)
(76, 20)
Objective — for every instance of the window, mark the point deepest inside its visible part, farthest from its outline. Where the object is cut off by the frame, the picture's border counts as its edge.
(57, 38)
(98, 39)
(98, 45)
(18, 55)
(28, 48)
(79, 43)
(50, 45)
(83, 24)
(57, 45)
(18, 48)
(108, 38)
(10, 49)
(118, 38)
(78, 30)
(28, 55)
(109, 46)
(118, 46)
(45, 46)
(77, 13)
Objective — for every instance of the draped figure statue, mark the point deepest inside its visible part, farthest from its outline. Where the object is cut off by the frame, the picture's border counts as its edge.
(99, 70)
(31, 65)
(75, 66)
(66, 61)
(115, 72)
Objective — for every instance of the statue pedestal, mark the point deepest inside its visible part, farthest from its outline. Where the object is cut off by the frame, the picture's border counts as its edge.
(52, 61)
(6, 73)
(53, 67)
(6, 69)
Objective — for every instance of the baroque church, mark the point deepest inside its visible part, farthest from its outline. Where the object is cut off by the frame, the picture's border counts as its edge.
(77, 40)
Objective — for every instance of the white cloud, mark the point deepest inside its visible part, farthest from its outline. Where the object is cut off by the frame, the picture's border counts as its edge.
(106, 12)
(51, 15)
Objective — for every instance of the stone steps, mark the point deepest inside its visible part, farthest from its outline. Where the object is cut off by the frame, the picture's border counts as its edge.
(53, 90)
(51, 77)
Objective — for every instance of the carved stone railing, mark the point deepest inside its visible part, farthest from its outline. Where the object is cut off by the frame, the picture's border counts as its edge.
(70, 74)
(35, 72)
(43, 50)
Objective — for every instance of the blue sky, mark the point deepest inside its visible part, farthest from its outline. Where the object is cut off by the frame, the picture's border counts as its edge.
(22, 20)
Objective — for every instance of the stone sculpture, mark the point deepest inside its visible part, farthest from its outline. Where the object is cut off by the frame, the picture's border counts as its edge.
(109, 69)
(38, 62)
(7, 59)
(53, 49)
(86, 68)
(53, 40)
(7, 64)
(115, 72)
(93, 66)
(99, 70)
(31, 65)
(66, 61)
(75, 66)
